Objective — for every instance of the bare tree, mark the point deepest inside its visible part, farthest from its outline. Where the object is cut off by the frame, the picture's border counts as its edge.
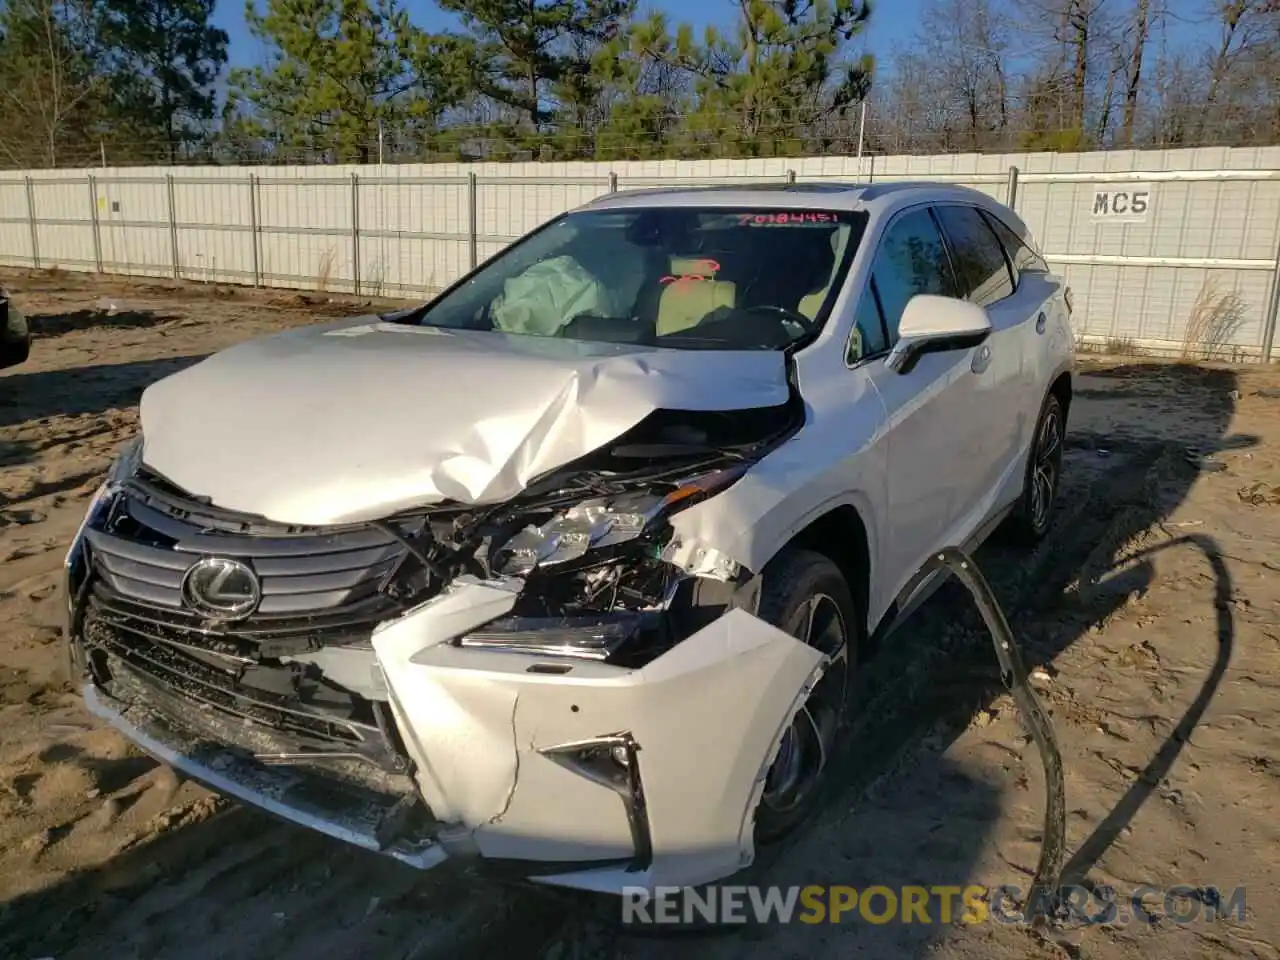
(46, 78)
(1242, 26)
(1133, 71)
(954, 78)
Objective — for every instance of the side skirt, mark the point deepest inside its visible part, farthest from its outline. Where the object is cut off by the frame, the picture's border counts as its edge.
(927, 582)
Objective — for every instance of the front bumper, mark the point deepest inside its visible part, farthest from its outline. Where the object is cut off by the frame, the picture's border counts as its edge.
(304, 799)
(576, 773)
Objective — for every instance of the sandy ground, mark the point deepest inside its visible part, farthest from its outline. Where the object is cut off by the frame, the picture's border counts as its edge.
(1153, 612)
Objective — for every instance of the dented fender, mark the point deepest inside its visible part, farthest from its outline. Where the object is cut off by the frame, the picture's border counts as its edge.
(490, 730)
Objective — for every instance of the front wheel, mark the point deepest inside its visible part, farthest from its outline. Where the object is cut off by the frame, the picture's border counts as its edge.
(1034, 511)
(806, 595)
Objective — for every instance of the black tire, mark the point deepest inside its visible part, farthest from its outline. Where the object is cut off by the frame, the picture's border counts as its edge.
(14, 354)
(15, 335)
(1033, 515)
(794, 583)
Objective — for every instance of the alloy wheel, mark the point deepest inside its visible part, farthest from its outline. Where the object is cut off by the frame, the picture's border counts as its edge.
(1046, 467)
(809, 742)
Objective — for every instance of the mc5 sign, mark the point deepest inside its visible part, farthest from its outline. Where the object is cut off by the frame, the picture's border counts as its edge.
(1129, 203)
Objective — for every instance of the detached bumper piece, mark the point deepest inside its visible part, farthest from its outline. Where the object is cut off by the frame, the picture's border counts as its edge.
(384, 815)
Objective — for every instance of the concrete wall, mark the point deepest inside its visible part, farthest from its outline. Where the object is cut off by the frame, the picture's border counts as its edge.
(1209, 229)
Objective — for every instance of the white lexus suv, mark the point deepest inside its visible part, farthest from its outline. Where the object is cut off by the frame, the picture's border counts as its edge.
(572, 567)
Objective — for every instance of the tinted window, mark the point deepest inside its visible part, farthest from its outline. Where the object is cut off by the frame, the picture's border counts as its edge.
(981, 268)
(1025, 260)
(911, 260)
(868, 336)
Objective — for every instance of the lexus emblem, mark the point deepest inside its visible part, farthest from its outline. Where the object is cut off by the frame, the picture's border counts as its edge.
(221, 589)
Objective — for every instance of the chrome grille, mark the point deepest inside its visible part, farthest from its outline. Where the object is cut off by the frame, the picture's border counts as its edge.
(257, 638)
(320, 586)
(142, 552)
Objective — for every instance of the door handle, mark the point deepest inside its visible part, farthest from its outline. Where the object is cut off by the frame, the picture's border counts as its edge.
(981, 359)
(1040, 322)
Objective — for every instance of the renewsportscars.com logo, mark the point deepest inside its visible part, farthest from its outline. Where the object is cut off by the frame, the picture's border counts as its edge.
(939, 904)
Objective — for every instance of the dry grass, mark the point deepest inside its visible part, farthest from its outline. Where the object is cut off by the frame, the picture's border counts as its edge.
(324, 271)
(1215, 319)
(1120, 347)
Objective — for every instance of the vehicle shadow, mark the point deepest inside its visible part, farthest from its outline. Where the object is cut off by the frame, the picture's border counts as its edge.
(74, 391)
(907, 813)
(46, 326)
(14, 453)
(241, 884)
(1087, 855)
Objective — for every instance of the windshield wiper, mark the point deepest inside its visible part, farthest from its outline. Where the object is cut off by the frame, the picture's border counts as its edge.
(406, 315)
(655, 451)
(660, 450)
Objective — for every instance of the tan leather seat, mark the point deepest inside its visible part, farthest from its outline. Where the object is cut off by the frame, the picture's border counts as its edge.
(691, 295)
(812, 303)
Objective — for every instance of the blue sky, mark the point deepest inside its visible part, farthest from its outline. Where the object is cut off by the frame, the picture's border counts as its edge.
(890, 22)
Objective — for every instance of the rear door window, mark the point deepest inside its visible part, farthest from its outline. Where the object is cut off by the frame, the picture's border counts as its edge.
(1025, 259)
(982, 269)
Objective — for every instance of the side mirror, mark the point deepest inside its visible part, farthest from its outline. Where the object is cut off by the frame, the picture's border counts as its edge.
(933, 324)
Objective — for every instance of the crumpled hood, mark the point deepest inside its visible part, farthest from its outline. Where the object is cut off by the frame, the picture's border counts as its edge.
(357, 419)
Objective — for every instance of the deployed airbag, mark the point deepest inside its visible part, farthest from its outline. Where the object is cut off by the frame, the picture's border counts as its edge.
(544, 298)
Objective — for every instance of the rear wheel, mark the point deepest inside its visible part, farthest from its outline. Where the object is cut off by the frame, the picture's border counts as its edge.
(1033, 515)
(806, 595)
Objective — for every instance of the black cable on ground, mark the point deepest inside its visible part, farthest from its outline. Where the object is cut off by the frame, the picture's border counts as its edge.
(1043, 900)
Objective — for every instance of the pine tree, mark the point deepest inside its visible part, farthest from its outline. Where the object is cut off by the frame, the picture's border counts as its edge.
(162, 58)
(339, 71)
(528, 55)
(779, 72)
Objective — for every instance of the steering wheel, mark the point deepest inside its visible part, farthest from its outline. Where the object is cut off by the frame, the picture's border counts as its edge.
(724, 329)
(806, 325)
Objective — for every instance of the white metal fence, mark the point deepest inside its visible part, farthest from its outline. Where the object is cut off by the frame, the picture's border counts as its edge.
(1161, 248)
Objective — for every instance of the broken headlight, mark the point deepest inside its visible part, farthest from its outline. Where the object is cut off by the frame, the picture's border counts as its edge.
(584, 637)
(600, 523)
(595, 580)
(124, 467)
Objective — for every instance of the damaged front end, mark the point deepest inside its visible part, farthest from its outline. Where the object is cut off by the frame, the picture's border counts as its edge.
(537, 683)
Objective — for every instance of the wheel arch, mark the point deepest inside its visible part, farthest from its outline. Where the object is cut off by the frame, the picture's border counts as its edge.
(840, 535)
(1061, 388)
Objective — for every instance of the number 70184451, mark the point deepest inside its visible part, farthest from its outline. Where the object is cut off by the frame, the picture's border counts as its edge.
(785, 216)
